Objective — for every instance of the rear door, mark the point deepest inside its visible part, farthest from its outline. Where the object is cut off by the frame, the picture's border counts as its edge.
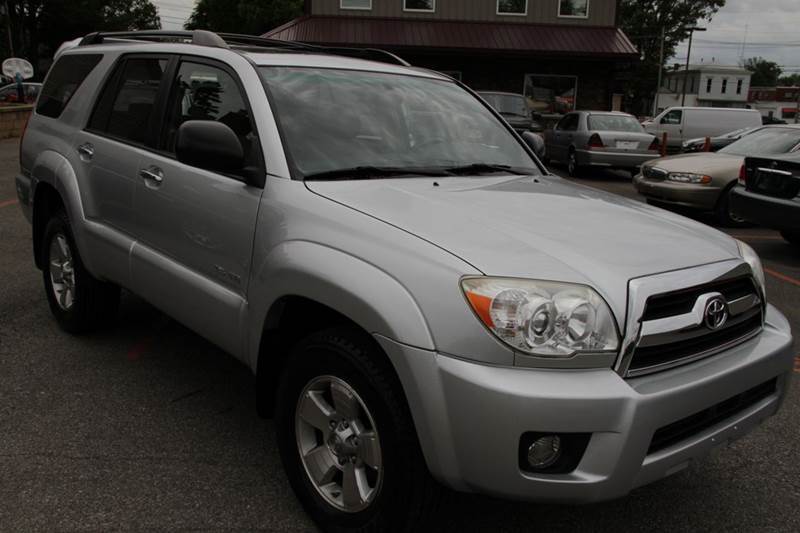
(120, 131)
(196, 227)
(562, 136)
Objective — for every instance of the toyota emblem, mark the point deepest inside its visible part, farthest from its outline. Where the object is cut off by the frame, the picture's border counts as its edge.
(716, 313)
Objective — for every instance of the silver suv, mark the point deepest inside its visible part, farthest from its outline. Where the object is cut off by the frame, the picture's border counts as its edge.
(423, 305)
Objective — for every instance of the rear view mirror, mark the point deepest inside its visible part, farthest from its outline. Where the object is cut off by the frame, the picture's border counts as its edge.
(209, 145)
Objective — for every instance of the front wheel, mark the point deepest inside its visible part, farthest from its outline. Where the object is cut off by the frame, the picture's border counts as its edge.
(347, 440)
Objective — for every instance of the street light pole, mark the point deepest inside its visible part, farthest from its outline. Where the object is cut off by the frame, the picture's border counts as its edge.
(688, 57)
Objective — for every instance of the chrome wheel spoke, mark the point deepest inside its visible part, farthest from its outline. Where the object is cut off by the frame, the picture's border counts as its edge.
(345, 402)
(62, 274)
(321, 465)
(316, 411)
(355, 488)
(369, 449)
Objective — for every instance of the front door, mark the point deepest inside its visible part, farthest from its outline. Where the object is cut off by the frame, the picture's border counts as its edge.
(196, 227)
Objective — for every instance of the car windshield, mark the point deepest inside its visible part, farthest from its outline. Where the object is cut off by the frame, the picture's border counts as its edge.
(614, 123)
(774, 140)
(510, 104)
(334, 120)
(735, 134)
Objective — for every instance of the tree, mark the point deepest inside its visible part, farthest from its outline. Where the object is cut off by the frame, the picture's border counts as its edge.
(38, 27)
(253, 17)
(765, 73)
(792, 80)
(643, 23)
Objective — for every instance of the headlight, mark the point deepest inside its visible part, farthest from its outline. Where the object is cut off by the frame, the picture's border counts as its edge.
(751, 258)
(689, 177)
(543, 318)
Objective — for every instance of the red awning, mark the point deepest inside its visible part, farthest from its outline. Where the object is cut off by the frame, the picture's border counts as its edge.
(547, 39)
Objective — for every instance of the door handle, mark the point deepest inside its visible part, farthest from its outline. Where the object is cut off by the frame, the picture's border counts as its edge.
(86, 151)
(154, 174)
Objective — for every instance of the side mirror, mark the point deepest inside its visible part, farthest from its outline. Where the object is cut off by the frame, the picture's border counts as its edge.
(209, 145)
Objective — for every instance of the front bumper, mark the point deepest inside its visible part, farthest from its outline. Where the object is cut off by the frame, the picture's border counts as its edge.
(683, 194)
(776, 213)
(469, 417)
(612, 159)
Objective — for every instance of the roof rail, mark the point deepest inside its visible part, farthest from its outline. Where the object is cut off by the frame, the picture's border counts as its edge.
(198, 37)
(228, 40)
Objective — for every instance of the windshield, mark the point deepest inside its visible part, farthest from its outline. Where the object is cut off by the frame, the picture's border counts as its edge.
(735, 134)
(334, 120)
(765, 141)
(510, 104)
(614, 123)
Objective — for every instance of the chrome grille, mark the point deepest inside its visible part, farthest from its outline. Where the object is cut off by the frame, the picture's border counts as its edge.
(670, 326)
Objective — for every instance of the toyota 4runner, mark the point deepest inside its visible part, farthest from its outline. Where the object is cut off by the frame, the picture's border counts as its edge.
(423, 305)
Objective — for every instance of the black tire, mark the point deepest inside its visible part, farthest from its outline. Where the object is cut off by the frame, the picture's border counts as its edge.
(573, 168)
(94, 302)
(408, 496)
(723, 211)
(792, 237)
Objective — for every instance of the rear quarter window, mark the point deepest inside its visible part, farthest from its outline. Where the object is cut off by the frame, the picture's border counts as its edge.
(64, 79)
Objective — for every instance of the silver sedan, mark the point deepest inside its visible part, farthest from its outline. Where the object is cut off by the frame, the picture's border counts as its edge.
(584, 139)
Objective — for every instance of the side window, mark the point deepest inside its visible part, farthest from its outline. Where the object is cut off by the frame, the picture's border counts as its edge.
(570, 122)
(562, 124)
(204, 92)
(127, 107)
(673, 117)
(63, 80)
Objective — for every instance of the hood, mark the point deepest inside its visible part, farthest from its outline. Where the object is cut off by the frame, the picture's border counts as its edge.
(713, 164)
(540, 228)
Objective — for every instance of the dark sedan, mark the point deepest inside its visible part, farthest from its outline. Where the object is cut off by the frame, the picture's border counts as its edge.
(716, 143)
(769, 194)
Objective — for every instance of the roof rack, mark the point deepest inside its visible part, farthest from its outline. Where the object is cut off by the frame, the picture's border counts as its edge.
(237, 40)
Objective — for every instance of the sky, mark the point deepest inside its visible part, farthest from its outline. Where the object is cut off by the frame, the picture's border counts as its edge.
(766, 28)
(174, 13)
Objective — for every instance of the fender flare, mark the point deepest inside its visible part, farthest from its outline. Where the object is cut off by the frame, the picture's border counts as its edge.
(361, 291)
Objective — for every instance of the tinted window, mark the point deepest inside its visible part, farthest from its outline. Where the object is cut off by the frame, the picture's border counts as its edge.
(339, 119)
(569, 123)
(614, 123)
(774, 140)
(64, 79)
(126, 109)
(203, 92)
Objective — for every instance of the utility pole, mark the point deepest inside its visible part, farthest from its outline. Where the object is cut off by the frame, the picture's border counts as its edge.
(8, 27)
(660, 70)
(688, 57)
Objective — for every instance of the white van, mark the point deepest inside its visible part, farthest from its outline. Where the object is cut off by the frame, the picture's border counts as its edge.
(684, 123)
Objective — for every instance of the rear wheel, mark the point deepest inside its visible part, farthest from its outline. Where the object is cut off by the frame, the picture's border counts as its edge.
(78, 301)
(573, 168)
(347, 440)
(792, 237)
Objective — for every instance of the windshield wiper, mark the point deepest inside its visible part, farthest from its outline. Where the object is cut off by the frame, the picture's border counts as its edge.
(372, 172)
(486, 168)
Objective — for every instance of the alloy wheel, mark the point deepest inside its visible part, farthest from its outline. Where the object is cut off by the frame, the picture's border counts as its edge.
(338, 444)
(62, 271)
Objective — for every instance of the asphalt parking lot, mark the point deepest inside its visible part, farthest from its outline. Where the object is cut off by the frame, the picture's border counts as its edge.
(147, 426)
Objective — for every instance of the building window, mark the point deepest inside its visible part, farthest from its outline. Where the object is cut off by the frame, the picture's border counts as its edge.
(551, 93)
(427, 6)
(708, 84)
(739, 86)
(355, 4)
(724, 85)
(512, 7)
(573, 8)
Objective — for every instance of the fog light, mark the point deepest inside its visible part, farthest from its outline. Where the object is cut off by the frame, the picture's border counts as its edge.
(544, 452)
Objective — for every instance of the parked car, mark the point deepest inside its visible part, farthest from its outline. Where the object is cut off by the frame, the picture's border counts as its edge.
(704, 181)
(9, 94)
(420, 301)
(716, 143)
(515, 110)
(584, 139)
(684, 123)
(769, 194)
(768, 120)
